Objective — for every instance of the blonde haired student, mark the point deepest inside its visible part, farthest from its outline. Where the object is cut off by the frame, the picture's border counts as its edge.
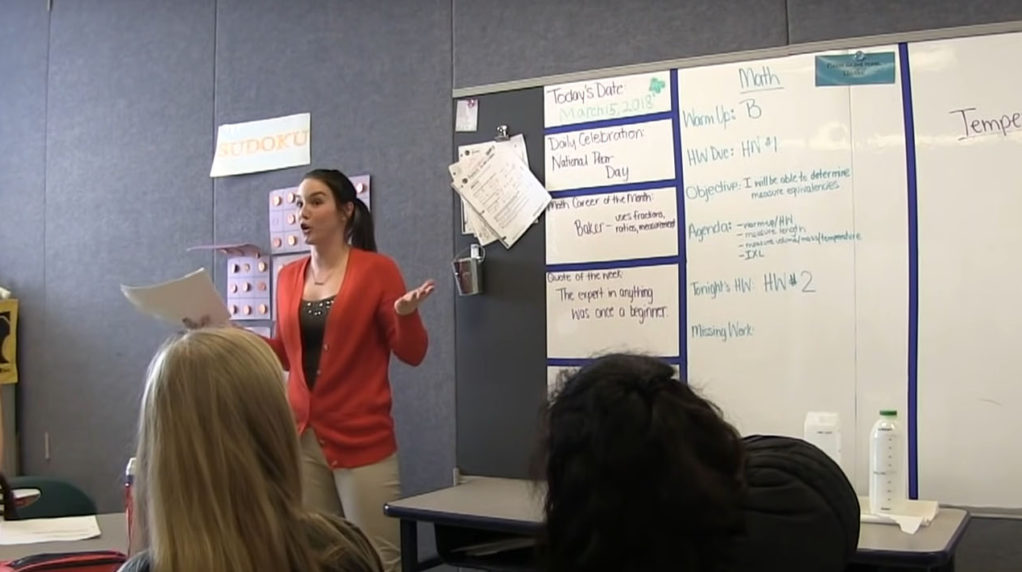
(218, 486)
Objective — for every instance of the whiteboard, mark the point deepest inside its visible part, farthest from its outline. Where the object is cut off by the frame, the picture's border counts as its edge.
(968, 136)
(779, 259)
(817, 246)
(613, 155)
(828, 312)
(776, 337)
(610, 98)
(612, 226)
(597, 311)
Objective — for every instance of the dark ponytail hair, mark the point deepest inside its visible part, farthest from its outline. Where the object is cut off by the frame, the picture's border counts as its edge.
(360, 227)
(642, 473)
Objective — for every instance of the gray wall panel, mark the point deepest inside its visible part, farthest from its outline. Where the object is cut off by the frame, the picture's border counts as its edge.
(812, 20)
(24, 27)
(374, 110)
(498, 41)
(129, 139)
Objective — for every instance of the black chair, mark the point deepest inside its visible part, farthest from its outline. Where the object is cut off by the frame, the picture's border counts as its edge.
(55, 498)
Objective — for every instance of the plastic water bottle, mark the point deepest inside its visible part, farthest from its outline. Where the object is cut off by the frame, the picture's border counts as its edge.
(823, 429)
(886, 465)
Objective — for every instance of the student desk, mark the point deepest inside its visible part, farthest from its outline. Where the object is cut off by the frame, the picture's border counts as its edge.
(486, 509)
(931, 548)
(113, 529)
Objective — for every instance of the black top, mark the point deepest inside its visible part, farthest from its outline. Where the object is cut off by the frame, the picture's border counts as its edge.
(312, 316)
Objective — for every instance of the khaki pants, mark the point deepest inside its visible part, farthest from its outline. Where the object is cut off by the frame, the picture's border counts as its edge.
(357, 494)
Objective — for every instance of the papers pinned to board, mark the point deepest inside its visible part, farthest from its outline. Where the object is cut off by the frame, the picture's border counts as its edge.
(501, 197)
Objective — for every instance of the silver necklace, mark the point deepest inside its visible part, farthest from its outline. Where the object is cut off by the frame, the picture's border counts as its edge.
(322, 282)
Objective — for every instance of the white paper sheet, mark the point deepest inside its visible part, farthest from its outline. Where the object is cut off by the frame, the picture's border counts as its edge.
(515, 143)
(472, 223)
(501, 189)
(475, 224)
(36, 530)
(467, 116)
(192, 297)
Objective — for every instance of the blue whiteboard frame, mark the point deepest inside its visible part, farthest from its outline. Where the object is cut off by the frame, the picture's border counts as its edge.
(913, 272)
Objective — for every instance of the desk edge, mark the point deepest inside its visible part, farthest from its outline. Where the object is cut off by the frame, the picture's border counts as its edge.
(437, 517)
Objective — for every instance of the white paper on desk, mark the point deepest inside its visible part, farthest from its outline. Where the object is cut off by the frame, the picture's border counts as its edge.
(35, 530)
(192, 296)
(913, 514)
(502, 189)
(471, 222)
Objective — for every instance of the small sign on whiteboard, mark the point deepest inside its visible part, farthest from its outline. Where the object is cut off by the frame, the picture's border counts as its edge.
(859, 68)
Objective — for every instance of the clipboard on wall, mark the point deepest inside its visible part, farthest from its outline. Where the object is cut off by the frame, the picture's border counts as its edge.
(466, 228)
(502, 136)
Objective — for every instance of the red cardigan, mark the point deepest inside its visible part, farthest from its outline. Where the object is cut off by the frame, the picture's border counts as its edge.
(349, 406)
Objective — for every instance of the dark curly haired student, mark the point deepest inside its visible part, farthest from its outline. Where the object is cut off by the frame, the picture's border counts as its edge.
(644, 474)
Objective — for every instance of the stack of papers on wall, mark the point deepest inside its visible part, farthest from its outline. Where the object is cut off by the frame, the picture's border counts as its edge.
(914, 514)
(35, 530)
(501, 197)
(472, 223)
